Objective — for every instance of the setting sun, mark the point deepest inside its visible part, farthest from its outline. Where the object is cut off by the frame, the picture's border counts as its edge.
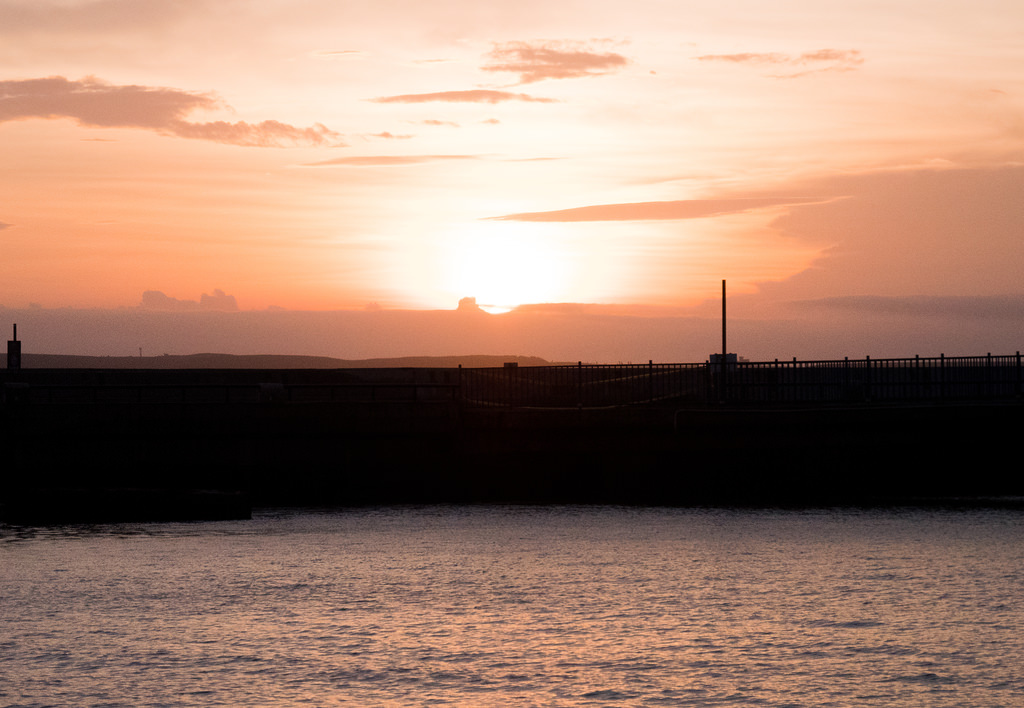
(506, 265)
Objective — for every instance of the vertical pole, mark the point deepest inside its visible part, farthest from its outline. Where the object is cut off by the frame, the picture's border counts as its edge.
(725, 349)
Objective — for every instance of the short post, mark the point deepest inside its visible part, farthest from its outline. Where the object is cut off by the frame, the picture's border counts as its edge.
(14, 352)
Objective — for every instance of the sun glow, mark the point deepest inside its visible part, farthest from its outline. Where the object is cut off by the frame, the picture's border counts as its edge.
(506, 265)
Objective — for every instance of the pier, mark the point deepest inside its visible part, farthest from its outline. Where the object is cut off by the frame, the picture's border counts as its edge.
(795, 432)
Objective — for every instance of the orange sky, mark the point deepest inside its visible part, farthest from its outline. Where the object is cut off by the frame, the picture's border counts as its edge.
(326, 155)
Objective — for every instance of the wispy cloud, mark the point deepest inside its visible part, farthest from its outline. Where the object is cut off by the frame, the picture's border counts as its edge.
(652, 211)
(960, 307)
(378, 160)
(4, 226)
(749, 58)
(470, 96)
(96, 103)
(391, 136)
(819, 60)
(536, 61)
(336, 54)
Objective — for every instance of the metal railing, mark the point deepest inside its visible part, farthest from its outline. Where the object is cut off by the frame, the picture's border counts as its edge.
(583, 385)
(865, 380)
(575, 386)
(824, 381)
(230, 393)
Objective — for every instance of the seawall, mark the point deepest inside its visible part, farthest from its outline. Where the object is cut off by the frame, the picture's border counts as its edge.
(315, 437)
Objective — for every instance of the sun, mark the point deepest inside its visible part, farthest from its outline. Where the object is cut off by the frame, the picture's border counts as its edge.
(504, 265)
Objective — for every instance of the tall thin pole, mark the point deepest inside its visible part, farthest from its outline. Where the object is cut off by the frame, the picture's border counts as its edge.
(724, 348)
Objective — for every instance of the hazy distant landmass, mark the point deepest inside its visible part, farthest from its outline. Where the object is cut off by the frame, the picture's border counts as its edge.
(267, 361)
(825, 329)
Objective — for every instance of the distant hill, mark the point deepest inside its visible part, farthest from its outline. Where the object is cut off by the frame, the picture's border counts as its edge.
(266, 361)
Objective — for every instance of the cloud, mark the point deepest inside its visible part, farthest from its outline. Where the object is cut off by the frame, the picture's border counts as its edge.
(748, 57)
(832, 59)
(4, 226)
(470, 96)
(219, 301)
(336, 54)
(841, 56)
(269, 133)
(934, 231)
(552, 60)
(372, 160)
(994, 307)
(390, 136)
(96, 103)
(649, 211)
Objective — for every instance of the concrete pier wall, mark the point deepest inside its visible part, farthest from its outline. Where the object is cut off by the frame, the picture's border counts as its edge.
(403, 436)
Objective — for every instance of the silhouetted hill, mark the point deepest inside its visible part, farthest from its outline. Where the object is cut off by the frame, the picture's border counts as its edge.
(265, 361)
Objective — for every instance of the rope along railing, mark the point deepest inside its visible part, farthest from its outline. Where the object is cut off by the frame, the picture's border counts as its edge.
(582, 385)
(824, 381)
(593, 385)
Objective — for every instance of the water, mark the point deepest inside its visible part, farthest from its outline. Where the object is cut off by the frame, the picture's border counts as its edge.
(499, 606)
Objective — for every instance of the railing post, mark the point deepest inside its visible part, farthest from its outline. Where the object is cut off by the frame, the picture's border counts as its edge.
(579, 385)
(867, 379)
(942, 376)
(1018, 374)
(650, 380)
(846, 378)
(510, 384)
(988, 375)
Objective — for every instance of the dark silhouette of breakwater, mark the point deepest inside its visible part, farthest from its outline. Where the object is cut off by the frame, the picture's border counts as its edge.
(88, 444)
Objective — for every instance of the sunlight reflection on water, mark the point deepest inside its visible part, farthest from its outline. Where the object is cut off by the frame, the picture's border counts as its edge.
(567, 606)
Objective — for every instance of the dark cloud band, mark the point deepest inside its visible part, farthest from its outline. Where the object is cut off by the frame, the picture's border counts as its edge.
(651, 211)
(96, 103)
(470, 96)
(552, 60)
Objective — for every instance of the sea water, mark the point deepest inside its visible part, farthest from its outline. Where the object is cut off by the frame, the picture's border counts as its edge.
(519, 606)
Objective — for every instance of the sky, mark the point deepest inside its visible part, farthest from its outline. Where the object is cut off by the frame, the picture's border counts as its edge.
(846, 167)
